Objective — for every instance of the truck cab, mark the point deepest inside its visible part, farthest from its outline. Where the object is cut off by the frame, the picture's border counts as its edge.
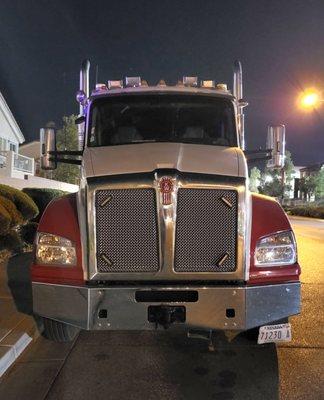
(163, 232)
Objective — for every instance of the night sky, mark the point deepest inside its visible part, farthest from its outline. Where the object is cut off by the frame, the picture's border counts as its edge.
(280, 44)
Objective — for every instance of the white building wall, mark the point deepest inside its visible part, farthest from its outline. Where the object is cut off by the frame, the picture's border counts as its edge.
(37, 182)
(18, 170)
(9, 129)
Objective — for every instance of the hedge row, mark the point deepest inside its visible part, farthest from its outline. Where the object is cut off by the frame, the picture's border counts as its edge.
(306, 211)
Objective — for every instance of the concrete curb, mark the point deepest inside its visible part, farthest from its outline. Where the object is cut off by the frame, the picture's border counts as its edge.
(18, 328)
(16, 341)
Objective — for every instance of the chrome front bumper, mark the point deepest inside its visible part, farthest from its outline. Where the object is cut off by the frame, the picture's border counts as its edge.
(81, 306)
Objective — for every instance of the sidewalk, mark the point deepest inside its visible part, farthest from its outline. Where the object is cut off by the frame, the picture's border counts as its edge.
(17, 325)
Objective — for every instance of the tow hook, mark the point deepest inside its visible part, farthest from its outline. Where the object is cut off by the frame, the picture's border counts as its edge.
(166, 315)
(204, 335)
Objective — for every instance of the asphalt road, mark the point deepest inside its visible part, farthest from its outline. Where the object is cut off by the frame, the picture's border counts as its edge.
(165, 365)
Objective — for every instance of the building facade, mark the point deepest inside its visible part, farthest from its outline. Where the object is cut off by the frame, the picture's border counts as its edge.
(19, 169)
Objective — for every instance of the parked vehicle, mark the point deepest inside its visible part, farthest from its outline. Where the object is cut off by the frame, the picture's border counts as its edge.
(164, 231)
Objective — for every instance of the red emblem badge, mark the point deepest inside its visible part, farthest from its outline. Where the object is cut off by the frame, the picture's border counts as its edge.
(166, 188)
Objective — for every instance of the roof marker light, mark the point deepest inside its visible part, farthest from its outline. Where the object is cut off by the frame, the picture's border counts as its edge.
(100, 87)
(191, 81)
(208, 84)
(115, 84)
(222, 86)
(134, 81)
(162, 83)
(144, 83)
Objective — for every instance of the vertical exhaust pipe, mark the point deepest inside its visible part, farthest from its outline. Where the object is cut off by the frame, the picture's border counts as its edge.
(82, 96)
(238, 94)
(84, 79)
(238, 81)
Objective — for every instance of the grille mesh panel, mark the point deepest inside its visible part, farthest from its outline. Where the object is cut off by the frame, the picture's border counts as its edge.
(206, 230)
(126, 229)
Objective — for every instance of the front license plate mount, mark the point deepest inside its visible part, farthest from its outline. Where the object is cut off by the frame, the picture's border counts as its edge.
(274, 333)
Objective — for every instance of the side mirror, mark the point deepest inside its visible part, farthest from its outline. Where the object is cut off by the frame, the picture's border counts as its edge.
(79, 120)
(276, 142)
(48, 148)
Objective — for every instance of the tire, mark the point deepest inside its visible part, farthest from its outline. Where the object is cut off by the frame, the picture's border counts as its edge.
(58, 331)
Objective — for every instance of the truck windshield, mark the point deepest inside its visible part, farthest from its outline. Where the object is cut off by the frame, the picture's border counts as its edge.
(130, 119)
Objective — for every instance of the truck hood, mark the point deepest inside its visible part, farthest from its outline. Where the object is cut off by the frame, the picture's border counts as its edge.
(147, 157)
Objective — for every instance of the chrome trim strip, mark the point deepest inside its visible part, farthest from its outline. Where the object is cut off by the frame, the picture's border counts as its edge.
(247, 235)
(167, 224)
(254, 305)
(82, 218)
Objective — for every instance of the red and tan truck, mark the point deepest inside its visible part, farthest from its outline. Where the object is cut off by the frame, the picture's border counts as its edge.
(163, 231)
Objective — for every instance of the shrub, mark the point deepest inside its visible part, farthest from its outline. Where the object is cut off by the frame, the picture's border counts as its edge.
(15, 216)
(42, 197)
(24, 204)
(307, 211)
(28, 232)
(16, 208)
(11, 241)
(4, 221)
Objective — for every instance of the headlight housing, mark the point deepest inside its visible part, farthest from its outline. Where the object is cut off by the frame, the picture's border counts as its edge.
(54, 250)
(277, 249)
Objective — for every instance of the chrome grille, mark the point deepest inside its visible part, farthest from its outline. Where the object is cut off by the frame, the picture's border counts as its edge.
(126, 230)
(206, 230)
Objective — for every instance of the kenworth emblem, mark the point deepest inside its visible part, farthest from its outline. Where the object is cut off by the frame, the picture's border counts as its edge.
(166, 188)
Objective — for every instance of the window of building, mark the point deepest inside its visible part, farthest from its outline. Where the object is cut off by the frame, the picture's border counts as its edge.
(13, 147)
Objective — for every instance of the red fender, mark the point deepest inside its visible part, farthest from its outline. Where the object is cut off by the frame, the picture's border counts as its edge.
(267, 218)
(60, 218)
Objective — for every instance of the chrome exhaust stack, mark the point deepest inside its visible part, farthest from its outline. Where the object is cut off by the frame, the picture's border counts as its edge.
(238, 93)
(82, 98)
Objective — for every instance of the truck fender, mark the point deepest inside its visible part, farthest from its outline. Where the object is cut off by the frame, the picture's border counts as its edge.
(268, 218)
(60, 218)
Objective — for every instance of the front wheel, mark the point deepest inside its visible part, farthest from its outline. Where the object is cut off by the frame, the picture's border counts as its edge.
(59, 331)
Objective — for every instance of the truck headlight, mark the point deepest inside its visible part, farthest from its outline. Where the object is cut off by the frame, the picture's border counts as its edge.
(54, 250)
(277, 249)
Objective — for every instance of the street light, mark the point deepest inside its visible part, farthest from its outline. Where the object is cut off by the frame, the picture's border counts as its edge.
(310, 99)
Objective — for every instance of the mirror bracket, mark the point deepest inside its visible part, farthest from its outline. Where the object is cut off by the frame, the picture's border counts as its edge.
(258, 155)
(66, 160)
(79, 120)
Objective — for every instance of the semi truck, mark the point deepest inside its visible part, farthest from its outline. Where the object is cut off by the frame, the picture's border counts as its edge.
(164, 232)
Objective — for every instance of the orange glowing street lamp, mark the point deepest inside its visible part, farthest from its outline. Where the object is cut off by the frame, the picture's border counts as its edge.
(310, 99)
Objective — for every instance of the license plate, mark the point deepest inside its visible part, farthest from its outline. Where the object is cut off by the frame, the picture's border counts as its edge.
(274, 333)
